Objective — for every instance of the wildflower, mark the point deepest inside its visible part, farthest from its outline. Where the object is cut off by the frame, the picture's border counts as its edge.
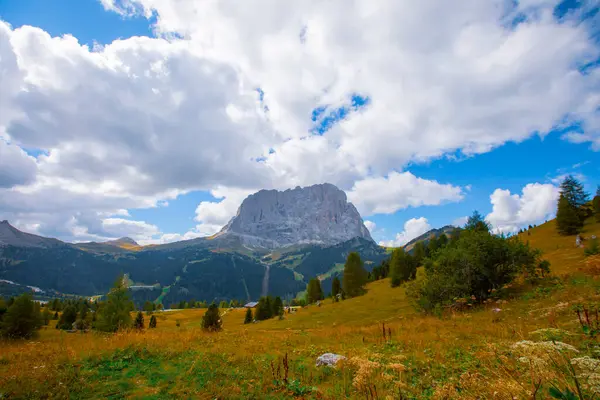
(589, 372)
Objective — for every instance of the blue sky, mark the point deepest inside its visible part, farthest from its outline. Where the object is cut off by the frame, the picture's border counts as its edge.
(511, 165)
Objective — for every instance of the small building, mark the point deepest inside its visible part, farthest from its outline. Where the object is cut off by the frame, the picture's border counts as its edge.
(252, 304)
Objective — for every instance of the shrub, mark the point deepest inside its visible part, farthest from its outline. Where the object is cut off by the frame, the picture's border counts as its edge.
(152, 324)
(22, 318)
(67, 318)
(478, 264)
(211, 321)
(592, 248)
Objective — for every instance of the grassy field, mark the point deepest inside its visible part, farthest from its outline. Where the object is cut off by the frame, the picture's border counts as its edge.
(466, 355)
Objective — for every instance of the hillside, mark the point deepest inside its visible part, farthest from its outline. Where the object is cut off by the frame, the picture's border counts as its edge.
(465, 355)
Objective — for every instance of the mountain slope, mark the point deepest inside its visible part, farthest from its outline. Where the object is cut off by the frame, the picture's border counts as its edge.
(11, 236)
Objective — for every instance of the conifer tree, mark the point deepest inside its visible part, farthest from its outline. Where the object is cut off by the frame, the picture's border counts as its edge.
(314, 291)
(114, 313)
(568, 221)
(419, 253)
(336, 287)
(355, 276)
(152, 323)
(139, 321)
(402, 267)
(477, 223)
(211, 321)
(21, 319)
(248, 317)
(277, 307)
(46, 315)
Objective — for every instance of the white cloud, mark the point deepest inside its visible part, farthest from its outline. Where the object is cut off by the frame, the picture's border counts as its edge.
(16, 167)
(460, 222)
(511, 212)
(412, 228)
(386, 195)
(214, 215)
(558, 179)
(141, 120)
(370, 225)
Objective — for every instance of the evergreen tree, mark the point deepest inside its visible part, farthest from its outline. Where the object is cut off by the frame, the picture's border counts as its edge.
(263, 309)
(476, 222)
(402, 267)
(596, 205)
(139, 321)
(355, 276)
(114, 313)
(336, 287)
(278, 307)
(419, 253)
(223, 304)
(21, 319)
(149, 307)
(442, 240)
(314, 291)
(568, 221)
(248, 317)
(574, 192)
(211, 321)
(67, 318)
(46, 316)
(152, 324)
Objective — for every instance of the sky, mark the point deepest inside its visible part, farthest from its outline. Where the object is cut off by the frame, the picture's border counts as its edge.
(154, 119)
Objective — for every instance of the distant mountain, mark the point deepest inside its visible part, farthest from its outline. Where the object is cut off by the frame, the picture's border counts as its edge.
(447, 230)
(275, 244)
(11, 236)
(318, 214)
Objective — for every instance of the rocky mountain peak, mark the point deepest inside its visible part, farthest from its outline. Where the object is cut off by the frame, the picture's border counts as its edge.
(318, 214)
(9, 235)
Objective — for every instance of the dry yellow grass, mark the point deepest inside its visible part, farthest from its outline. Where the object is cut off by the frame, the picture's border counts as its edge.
(463, 355)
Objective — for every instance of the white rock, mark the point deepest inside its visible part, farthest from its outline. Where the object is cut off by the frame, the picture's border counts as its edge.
(329, 359)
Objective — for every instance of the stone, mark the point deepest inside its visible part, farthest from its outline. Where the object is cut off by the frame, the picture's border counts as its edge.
(329, 359)
(318, 214)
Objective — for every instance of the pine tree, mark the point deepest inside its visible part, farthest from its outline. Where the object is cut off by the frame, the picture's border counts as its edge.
(152, 324)
(248, 317)
(139, 321)
(46, 315)
(574, 192)
(314, 291)
(355, 276)
(402, 267)
(114, 313)
(263, 309)
(476, 222)
(419, 252)
(211, 321)
(336, 287)
(149, 307)
(596, 205)
(277, 307)
(21, 319)
(568, 221)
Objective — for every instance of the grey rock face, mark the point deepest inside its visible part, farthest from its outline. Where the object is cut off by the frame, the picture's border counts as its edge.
(319, 214)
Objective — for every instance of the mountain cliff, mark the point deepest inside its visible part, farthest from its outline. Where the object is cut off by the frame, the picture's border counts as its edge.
(318, 214)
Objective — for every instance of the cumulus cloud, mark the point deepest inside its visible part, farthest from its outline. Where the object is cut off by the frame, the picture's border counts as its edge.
(510, 212)
(141, 120)
(16, 167)
(386, 195)
(413, 228)
(460, 221)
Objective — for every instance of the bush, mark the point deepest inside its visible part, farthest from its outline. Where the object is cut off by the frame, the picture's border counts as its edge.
(152, 324)
(592, 248)
(474, 267)
(211, 321)
(22, 318)
(67, 318)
